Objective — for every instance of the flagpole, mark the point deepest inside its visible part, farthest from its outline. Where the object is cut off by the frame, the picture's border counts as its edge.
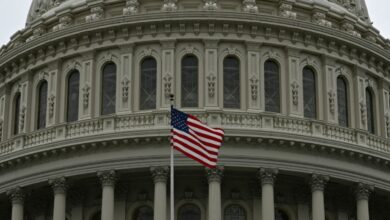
(172, 99)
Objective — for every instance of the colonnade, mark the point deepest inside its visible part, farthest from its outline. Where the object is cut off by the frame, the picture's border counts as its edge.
(266, 177)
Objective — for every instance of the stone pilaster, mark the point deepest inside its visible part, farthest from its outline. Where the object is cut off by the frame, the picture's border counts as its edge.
(160, 177)
(17, 197)
(214, 177)
(107, 179)
(318, 183)
(362, 193)
(59, 188)
(267, 179)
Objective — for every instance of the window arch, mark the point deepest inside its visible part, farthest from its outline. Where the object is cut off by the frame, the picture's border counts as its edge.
(42, 104)
(309, 93)
(17, 100)
(189, 212)
(108, 89)
(342, 101)
(72, 113)
(370, 110)
(189, 81)
(272, 86)
(148, 85)
(143, 213)
(234, 212)
(281, 215)
(231, 82)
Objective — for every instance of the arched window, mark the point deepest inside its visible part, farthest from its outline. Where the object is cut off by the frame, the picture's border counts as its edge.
(17, 100)
(370, 110)
(234, 212)
(342, 101)
(143, 213)
(97, 216)
(108, 89)
(189, 212)
(42, 104)
(309, 93)
(272, 86)
(148, 87)
(73, 96)
(189, 81)
(231, 82)
(281, 215)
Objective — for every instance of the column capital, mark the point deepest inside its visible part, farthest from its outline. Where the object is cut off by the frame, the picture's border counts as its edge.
(59, 185)
(318, 182)
(363, 191)
(215, 174)
(267, 175)
(160, 174)
(16, 195)
(107, 178)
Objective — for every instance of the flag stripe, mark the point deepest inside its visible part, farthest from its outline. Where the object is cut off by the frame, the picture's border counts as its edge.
(196, 158)
(187, 141)
(195, 141)
(193, 120)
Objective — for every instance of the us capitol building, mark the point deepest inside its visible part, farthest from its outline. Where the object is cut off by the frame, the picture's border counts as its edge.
(301, 88)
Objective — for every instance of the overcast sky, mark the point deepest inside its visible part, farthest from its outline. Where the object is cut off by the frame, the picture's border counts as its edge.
(13, 15)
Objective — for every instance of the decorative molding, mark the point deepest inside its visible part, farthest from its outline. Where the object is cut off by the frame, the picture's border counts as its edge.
(332, 101)
(249, 6)
(86, 93)
(22, 117)
(320, 19)
(363, 191)
(286, 11)
(97, 13)
(125, 89)
(350, 29)
(51, 102)
(215, 174)
(107, 178)
(211, 79)
(267, 175)
(160, 174)
(167, 84)
(169, 5)
(64, 22)
(16, 195)
(318, 182)
(254, 84)
(295, 92)
(210, 5)
(59, 185)
(131, 7)
(363, 111)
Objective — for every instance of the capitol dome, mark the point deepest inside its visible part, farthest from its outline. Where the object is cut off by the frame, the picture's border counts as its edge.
(300, 87)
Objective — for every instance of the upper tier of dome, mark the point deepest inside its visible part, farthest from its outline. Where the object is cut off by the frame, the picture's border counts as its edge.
(40, 8)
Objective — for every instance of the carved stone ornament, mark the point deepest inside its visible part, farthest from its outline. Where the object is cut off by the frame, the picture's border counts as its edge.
(295, 91)
(142, 196)
(286, 11)
(387, 116)
(43, 76)
(350, 29)
(131, 7)
(249, 6)
(167, 84)
(51, 101)
(332, 101)
(160, 174)
(16, 195)
(1, 129)
(363, 111)
(169, 5)
(39, 31)
(211, 84)
(125, 89)
(320, 19)
(97, 13)
(188, 194)
(215, 174)
(318, 182)
(147, 52)
(254, 84)
(59, 185)
(22, 117)
(210, 5)
(107, 178)
(64, 22)
(86, 93)
(363, 191)
(267, 175)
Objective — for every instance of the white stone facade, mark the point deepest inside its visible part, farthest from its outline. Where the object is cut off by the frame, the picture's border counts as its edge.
(273, 165)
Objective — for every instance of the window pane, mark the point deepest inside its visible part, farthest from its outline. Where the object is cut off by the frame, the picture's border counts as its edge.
(108, 89)
(272, 84)
(143, 213)
(342, 102)
(231, 82)
(234, 212)
(148, 84)
(17, 113)
(370, 111)
(189, 212)
(309, 93)
(73, 96)
(189, 81)
(42, 104)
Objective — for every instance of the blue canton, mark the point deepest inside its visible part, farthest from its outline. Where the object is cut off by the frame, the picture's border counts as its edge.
(179, 120)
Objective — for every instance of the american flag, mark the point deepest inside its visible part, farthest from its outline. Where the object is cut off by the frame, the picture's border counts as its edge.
(195, 139)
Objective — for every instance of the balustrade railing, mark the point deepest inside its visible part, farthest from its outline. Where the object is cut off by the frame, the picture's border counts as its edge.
(228, 120)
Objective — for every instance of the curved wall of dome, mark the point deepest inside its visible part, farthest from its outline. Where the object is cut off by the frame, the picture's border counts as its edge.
(300, 87)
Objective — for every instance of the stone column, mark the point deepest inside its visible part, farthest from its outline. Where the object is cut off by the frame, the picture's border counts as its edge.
(59, 189)
(214, 177)
(267, 178)
(318, 183)
(17, 197)
(160, 177)
(107, 178)
(362, 195)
